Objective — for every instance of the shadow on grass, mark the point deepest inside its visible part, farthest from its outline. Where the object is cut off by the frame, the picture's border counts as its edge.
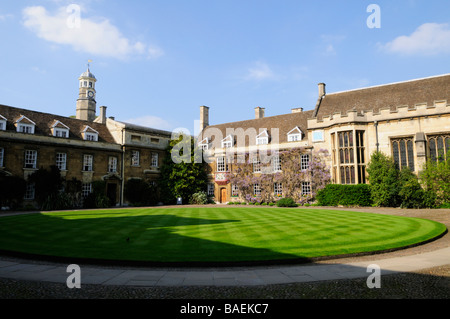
(147, 240)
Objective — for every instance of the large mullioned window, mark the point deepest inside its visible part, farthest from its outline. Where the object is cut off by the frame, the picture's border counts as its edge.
(439, 147)
(348, 154)
(403, 152)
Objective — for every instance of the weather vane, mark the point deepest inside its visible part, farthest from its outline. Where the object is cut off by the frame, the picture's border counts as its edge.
(89, 63)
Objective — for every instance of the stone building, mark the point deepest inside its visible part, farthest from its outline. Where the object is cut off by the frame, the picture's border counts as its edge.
(409, 121)
(87, 148)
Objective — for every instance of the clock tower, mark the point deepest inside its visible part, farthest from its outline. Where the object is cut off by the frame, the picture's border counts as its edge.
(86, 103)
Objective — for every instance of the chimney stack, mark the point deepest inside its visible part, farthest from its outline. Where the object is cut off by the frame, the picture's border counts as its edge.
(204, 117)
(322, 90)
(297, 110)
(103, 114)
(259, 113)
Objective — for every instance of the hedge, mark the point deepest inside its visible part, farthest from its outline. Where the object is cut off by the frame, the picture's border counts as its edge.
(345, 195)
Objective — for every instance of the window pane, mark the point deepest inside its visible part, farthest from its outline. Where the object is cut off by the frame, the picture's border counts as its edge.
(352, 174)
(346, 139)
(433, 149)
(396, 153)
(410, 155)
(341, 140)
(403, 154)
(440, 148)
(350, 139)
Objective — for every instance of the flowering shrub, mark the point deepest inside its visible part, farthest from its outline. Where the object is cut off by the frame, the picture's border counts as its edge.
(291, 176)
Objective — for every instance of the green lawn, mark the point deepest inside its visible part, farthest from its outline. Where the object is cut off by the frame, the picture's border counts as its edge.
(210, 234)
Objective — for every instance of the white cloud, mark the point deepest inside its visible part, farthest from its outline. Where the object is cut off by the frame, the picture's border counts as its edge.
(83, 34)
(428, 39)
(260, 71)
(152, 122)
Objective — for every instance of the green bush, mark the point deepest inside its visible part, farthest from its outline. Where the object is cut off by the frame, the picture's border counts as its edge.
(286, 202)
(345, 195)
(199, 198)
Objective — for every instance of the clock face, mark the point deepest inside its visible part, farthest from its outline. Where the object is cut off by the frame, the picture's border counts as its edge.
(90, 94)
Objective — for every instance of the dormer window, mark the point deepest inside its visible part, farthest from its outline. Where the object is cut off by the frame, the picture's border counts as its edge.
(204, 145)
(295, 135)
(262, 138)
(227, 142)
(89, 134)
(25, 125)
(61, 130)
(2, 123)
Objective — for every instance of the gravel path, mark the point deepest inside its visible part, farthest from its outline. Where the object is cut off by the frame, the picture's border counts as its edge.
(431, 283)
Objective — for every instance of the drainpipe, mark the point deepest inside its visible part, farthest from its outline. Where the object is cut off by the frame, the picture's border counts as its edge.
(122, 170)
(376, 133)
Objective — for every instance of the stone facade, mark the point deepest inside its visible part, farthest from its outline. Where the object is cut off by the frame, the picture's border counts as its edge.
(88, 148)
(409, 121)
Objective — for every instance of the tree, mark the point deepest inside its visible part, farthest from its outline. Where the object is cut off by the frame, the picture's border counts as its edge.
(436, 179)
(48, 184)
(384, 180)
(140, 193)
(12, 191)
(183, 172)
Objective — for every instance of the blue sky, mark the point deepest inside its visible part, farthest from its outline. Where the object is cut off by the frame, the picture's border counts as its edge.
(158, 61)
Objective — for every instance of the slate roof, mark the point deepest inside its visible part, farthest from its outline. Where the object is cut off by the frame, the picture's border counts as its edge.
(284, 123)
(408, 93)
(45, 121)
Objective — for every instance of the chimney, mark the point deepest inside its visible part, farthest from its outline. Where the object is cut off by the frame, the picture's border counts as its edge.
(103, 114)
(259, 113)
(204, 117)
(322, 91)
(297, 110)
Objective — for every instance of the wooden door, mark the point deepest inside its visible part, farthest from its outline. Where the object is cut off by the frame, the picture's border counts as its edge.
(223, 195)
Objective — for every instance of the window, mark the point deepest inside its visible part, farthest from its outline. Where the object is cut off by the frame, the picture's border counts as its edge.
(91, 137)
(204, 145)
(317, 136)
(89, 134)
(2, 125)
(155, 160)
(30, 191)
(306, 188)
(360, 157)
(61, 133)
(256, 165)
(277, 163)
(25, 128)
(210, 189)
(227, 142)
(295, 135)
(304, 162)
(112, 164)
(86, 189)
(88, 163)
(403, 152)
(61, 161)
(30, 159)
(439, 147)
(135, 160)
(234, 190)
(346, 157)
(262, 139)
(278, 189)
(2, 156)
(222, 164)
(257, 189)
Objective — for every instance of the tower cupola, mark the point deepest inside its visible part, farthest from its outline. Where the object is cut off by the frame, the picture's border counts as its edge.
(86, 103)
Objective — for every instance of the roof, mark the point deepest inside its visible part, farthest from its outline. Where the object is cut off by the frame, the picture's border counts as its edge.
(45, 121)
(87, 74)
(284, 123)
(408, 93)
